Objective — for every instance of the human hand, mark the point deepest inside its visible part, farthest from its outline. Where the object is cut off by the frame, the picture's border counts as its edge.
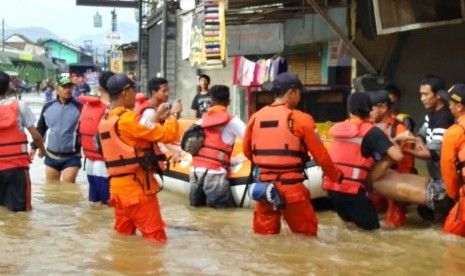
(176, 108)
(404, 137)
(419, 145)
(41, 153)
(238, 159)
(32, 153)
(163, 112)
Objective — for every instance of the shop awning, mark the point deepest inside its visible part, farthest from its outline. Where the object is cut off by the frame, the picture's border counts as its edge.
(48, 64)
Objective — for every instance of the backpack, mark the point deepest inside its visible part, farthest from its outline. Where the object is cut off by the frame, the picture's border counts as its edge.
(192, 139)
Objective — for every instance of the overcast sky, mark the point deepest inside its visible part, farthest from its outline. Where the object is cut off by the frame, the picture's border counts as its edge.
(62, 17)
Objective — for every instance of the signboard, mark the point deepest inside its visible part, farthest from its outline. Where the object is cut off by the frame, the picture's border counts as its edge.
(91, 79)
(109, 3)
(113, 38)
(116, 61)
(208, 37)
(25, 57)
(255, 39)
(186, 36)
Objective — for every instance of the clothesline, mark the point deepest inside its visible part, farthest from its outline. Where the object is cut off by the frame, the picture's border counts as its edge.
(247, 72)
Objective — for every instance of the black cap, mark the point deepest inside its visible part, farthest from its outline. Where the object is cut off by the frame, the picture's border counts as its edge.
(287, 80)
(103, 79)
(359, 104)
(457, 93)
(380, 97)
(119, 82)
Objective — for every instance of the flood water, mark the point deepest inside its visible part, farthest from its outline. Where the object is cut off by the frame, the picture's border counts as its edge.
(65, 235)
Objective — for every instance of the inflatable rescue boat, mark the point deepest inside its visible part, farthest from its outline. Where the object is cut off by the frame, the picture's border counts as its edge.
(176, 177)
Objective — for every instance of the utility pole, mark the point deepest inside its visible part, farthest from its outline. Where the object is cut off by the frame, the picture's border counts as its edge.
(139, 45)
(164, 28)
(113, 21)
(3, 35)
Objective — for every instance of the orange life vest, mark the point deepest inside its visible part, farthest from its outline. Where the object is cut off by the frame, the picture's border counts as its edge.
(13, 142)
(346, 153)
(274, 145)
(140, 98)
(460, 161)
(91, 115)
(214, 153)
(142, 105)
(279, 153)
(406, 164)
(122, 159)
(139, 110)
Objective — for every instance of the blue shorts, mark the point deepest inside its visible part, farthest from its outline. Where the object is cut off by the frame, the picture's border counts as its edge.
(61, 164)
(99, 189)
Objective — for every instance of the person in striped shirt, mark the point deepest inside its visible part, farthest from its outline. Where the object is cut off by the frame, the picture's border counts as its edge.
(428, 143)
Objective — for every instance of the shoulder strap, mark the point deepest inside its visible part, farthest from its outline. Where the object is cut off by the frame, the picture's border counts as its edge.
(394, 128)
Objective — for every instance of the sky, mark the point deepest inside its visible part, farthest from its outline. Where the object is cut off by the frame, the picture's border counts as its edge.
(62, 17)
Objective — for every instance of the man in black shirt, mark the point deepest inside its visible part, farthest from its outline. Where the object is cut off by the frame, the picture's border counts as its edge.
(429, 142)
(201, 101)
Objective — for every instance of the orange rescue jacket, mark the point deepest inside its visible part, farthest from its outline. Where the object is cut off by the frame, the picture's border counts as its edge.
(13, 142)
(278, 152)
(346, 153)
(214, 153)
(460, 160)
(274, 144)
(143, 105)
(122, 159)
(396, 127)
(91, 115)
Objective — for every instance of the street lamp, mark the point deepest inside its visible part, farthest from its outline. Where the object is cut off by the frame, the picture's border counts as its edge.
(97, 20)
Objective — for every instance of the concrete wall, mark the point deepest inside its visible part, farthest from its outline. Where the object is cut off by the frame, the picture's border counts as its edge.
(437, 50)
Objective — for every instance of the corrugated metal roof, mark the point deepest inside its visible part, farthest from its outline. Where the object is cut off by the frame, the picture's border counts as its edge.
(268, 11)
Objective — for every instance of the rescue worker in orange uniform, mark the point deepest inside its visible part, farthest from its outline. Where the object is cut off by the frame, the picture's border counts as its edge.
(209, 184)
(278, 139)
(382, 116)
(92, 112)
(127, 145)
(355, 148)
(453, 162)
(160, 93)
(15, 182)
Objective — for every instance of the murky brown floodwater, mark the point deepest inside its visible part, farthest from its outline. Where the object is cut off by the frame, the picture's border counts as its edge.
(65, 235)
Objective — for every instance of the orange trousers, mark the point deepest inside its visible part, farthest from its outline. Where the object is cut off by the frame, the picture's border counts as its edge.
(298, 213)
(395, 211)
(143, 215)
(455, 220)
